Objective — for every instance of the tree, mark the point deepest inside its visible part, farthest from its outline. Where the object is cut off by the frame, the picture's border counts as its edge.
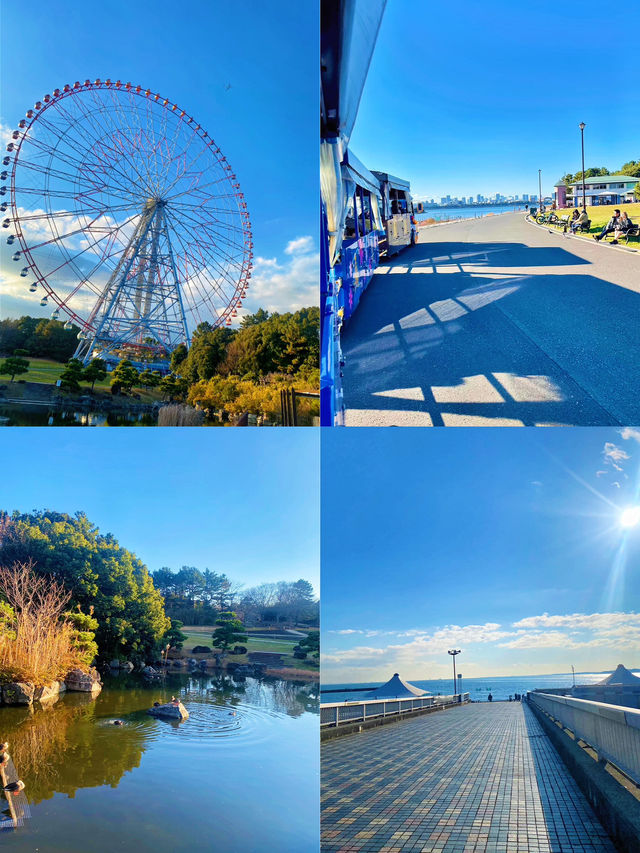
(172, 388)
(72, 375)
(97, 571)
(174, 636)
(125, 375)
(631, 168)
(83, 635)
(95, 371)
(261, 316)
(229, 632)
(150, 378)
(311, 644)
(178, 356)
(14, 366)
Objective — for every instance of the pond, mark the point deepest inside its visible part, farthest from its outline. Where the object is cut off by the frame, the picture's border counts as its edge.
(240, 775)
(32, 415)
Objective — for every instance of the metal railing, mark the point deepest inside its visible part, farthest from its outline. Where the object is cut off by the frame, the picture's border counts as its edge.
(340, 713)
(613, 731)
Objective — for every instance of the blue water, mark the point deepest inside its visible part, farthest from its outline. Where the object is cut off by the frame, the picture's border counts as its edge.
(444, 214)
(477, 688)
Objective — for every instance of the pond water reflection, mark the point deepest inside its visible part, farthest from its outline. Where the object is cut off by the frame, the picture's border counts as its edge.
(241, 774)
(30, 415)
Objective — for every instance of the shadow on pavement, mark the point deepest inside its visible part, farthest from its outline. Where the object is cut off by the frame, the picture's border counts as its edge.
(457, 334)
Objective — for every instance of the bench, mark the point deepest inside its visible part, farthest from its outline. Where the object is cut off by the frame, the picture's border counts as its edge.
(634, 231)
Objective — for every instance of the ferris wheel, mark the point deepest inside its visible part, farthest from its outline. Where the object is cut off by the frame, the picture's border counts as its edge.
(125, 218)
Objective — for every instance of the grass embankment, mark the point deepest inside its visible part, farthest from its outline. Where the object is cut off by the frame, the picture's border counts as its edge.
(46, 372)
(200, 635)
(602, 213)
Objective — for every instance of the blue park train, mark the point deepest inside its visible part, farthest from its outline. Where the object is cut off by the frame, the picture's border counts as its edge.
(365, 215)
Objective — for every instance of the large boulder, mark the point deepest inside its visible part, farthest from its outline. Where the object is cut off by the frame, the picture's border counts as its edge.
(47, 693)
(127, 666)
(18, 693)
(149, 672)
(171, 710)
(201, 650)
(84, 682)
(114, 664)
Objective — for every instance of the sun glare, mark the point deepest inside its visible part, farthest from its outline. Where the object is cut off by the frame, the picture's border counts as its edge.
(630, 516)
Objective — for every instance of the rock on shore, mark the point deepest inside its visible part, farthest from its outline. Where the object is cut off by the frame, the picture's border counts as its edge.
(84, 682)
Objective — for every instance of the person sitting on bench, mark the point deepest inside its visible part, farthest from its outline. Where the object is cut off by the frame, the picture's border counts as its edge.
(611, 225)
(578, 221)
(624, 224)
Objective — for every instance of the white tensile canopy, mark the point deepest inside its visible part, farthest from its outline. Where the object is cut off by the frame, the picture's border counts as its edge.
(396, 688)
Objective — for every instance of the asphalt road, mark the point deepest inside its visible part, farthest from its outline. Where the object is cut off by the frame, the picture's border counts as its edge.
(497, 322)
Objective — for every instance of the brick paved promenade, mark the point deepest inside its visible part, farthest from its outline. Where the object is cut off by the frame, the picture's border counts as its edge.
(483, 777)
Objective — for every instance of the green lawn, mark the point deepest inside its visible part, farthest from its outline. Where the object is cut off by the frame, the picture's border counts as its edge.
(201, 636)
(48, 372)
(601, 214)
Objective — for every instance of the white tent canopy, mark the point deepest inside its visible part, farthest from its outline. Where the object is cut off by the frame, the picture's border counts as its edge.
(621, 676)
(396, 688)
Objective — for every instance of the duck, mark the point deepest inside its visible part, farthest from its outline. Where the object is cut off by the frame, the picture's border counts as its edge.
(118, 723)
(14, 787)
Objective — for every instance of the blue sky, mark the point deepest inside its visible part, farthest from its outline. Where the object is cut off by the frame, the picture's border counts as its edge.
(502, 543)
(265, 123)
(467, 98)
(244, 502)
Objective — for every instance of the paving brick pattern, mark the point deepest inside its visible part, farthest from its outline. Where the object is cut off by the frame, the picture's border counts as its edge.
(482, 777)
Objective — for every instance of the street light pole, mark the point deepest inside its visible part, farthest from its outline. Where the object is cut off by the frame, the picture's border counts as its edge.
(453, 653)
(540, 189)
(582, 126)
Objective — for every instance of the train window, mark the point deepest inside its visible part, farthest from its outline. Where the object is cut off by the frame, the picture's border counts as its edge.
(350, 221)
(366, 209)
(359, 211)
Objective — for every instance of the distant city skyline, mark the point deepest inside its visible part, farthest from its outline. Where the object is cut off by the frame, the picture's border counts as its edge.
(479, 198)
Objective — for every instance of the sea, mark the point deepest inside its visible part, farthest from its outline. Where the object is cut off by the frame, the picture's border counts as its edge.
(500, 687)
(446, 214)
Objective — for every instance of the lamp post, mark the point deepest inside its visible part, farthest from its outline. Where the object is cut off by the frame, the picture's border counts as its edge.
(453, 653)
(582, 126)
(540, 205)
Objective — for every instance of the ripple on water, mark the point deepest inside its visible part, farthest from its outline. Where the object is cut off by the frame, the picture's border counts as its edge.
(207, 720)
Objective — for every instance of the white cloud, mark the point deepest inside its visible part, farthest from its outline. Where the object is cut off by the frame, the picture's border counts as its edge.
(427, 648)
(5, 132)
(614, 455)
(630, 432)
(592, 621)
(299, 246)
(285, 286)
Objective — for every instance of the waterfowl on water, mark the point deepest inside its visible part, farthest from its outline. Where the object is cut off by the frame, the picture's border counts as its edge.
(4, 758)
(118, 723)
(14, 787)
